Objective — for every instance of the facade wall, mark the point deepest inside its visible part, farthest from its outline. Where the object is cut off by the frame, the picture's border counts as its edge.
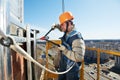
(11, 64)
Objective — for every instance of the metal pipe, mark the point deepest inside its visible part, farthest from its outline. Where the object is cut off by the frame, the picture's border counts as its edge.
(63, 6)
(53, 42)
(29, 66)
(98, 64)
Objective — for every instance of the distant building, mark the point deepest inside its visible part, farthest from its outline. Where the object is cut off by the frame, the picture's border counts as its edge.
(113, 45)
(91, 56)
(117, 62)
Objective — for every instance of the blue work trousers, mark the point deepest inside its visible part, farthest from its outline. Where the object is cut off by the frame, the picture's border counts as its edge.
(73, 74)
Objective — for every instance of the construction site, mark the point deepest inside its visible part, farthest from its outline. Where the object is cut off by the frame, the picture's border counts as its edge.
(24, 56)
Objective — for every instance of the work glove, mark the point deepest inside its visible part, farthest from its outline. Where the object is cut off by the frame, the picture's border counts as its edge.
(55, 26)
(62, 48)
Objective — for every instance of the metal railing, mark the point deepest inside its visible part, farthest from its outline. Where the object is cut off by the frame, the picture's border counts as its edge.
(98, 50)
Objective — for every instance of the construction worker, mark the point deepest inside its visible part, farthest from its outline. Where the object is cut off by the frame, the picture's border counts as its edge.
(72, 48)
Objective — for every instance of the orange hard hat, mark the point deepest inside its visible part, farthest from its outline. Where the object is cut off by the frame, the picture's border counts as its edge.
(66, 16)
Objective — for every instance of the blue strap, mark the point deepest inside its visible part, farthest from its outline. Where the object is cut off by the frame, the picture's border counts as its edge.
(68, 46)
(70, 62)
(71, 34)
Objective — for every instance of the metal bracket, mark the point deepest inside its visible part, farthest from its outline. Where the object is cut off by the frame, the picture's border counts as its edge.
(6, 42)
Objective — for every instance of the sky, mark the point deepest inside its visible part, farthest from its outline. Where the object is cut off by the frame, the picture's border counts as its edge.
(95, 19)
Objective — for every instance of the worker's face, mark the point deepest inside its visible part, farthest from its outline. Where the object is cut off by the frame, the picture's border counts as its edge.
(63, 27)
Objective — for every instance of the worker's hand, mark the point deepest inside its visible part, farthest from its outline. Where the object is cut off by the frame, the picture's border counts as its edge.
(55, 26)
(62, 48)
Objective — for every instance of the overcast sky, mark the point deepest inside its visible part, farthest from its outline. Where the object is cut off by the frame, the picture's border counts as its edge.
(95, 19)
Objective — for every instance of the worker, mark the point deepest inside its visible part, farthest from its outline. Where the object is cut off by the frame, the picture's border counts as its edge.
(72, 48)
